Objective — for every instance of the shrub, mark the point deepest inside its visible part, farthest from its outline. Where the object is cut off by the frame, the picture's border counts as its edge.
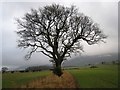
(93, 66)
(12, 71)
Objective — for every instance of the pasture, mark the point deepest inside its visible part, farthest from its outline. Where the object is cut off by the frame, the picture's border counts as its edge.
(105, 76)
(11, 80)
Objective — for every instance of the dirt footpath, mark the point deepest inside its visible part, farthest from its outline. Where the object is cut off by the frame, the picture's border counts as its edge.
(53, 81)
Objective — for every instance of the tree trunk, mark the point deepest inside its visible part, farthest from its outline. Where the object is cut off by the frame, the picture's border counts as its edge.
(57, 69)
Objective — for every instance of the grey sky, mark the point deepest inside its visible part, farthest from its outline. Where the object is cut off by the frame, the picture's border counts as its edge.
(103, 13)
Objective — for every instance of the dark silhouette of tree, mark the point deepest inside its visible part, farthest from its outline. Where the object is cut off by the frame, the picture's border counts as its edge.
(103, 62)
(57, 32)
(4, 69)
(114, 62)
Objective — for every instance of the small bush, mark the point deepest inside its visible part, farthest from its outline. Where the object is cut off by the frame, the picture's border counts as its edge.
(93, 66)
(12, 71)
(21, 71)
(26, 70)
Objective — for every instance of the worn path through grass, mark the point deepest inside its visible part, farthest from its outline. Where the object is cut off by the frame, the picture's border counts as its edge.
(53, 81)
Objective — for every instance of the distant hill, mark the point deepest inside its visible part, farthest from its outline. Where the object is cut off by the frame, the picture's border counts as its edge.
(85, 60)
(80, 61)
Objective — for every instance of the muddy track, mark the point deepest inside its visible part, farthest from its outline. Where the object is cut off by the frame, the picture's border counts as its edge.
(53, 81)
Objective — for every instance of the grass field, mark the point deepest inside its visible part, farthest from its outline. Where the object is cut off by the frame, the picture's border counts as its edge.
(0, 80)
(105, 76)
(10, 80)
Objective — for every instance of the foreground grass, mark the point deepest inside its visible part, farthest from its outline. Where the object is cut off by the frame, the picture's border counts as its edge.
(105, 76)
(0, 80)
(10, 80)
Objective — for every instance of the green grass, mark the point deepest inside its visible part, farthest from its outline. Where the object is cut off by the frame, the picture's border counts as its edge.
(10, 80)
(0, 80)
(105, 76)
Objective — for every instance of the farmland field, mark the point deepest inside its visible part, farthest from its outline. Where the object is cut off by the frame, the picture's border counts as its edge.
(10, 80)
(105, 76)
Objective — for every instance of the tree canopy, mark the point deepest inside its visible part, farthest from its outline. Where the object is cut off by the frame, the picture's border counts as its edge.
(57, 32)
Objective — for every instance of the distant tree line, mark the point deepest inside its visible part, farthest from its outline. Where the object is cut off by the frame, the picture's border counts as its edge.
(28, 69)
(38, 68)
(104, 63)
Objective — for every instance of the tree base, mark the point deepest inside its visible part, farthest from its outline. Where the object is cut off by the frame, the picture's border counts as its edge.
(57, 71)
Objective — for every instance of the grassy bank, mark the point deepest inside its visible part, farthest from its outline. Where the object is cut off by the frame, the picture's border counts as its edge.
(53, 81)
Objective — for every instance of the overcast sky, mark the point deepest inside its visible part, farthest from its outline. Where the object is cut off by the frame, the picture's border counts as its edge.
(103, 13)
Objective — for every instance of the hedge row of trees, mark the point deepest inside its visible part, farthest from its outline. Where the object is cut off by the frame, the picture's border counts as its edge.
(40, 68)
(29, 69)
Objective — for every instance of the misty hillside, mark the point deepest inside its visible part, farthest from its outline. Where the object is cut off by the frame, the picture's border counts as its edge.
(80, 61)
(85, 60)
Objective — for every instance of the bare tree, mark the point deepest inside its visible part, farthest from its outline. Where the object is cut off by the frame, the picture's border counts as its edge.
(57, 32)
